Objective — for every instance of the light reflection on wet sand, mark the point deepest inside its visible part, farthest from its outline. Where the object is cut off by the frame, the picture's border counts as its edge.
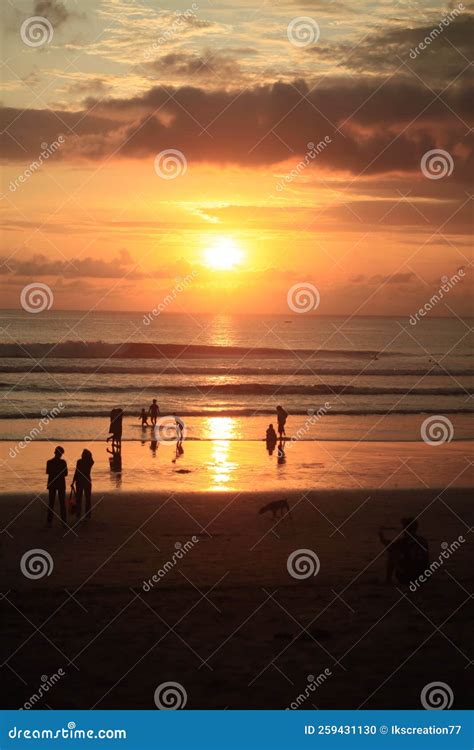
(226, 464)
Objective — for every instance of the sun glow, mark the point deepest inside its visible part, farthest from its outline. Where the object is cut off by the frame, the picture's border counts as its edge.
(223, 255)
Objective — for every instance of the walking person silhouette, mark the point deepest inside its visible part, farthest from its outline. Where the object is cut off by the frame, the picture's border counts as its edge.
(154, 412)
(56, 469)
(282, 416)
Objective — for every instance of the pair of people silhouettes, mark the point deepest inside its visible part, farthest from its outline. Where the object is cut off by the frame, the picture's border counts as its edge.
(57, 471)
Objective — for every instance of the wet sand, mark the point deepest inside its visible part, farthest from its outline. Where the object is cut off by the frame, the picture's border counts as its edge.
(239, 465)
(227, 620)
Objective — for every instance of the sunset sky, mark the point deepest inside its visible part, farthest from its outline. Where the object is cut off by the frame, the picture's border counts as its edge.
(239, 94)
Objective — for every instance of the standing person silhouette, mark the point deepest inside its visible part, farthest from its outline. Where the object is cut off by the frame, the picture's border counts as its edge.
(144, 418)
(154, 412)
(282, 416)
(270, 439)
(115, 429)
(56, 469)
(82, 483)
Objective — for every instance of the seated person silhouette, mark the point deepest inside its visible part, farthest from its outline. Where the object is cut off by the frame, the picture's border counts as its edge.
(270, 439)
(407, 555)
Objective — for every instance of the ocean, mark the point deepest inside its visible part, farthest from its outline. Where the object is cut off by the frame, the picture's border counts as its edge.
(364, 378)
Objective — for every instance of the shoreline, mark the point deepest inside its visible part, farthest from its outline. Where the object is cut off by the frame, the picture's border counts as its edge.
(225, 465)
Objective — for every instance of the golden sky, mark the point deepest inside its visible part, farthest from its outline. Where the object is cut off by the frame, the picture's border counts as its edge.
(241, 147)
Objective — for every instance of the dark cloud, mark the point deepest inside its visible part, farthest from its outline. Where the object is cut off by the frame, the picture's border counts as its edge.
(376, 126)
(122, 266)
(55, 11)
(210, 65)
(445, 52)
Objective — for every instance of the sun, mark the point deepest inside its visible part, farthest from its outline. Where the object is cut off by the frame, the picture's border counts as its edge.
(223, 255)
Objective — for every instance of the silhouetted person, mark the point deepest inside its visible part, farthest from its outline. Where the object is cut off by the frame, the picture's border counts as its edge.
(282, 416)
(179, 429)
(82, 483)
(154, 412)
(281, 457)
(270, 439)
(180, 435)
(115, 429)
(407, 556)
(56, 469)
(144, 418)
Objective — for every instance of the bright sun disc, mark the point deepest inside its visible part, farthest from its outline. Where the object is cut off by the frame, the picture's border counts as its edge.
(223, 254)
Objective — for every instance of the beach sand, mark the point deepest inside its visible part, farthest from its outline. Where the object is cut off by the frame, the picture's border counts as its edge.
(227, 621)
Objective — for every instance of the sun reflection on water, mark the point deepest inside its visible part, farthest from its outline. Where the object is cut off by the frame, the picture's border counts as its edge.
(221, 431)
